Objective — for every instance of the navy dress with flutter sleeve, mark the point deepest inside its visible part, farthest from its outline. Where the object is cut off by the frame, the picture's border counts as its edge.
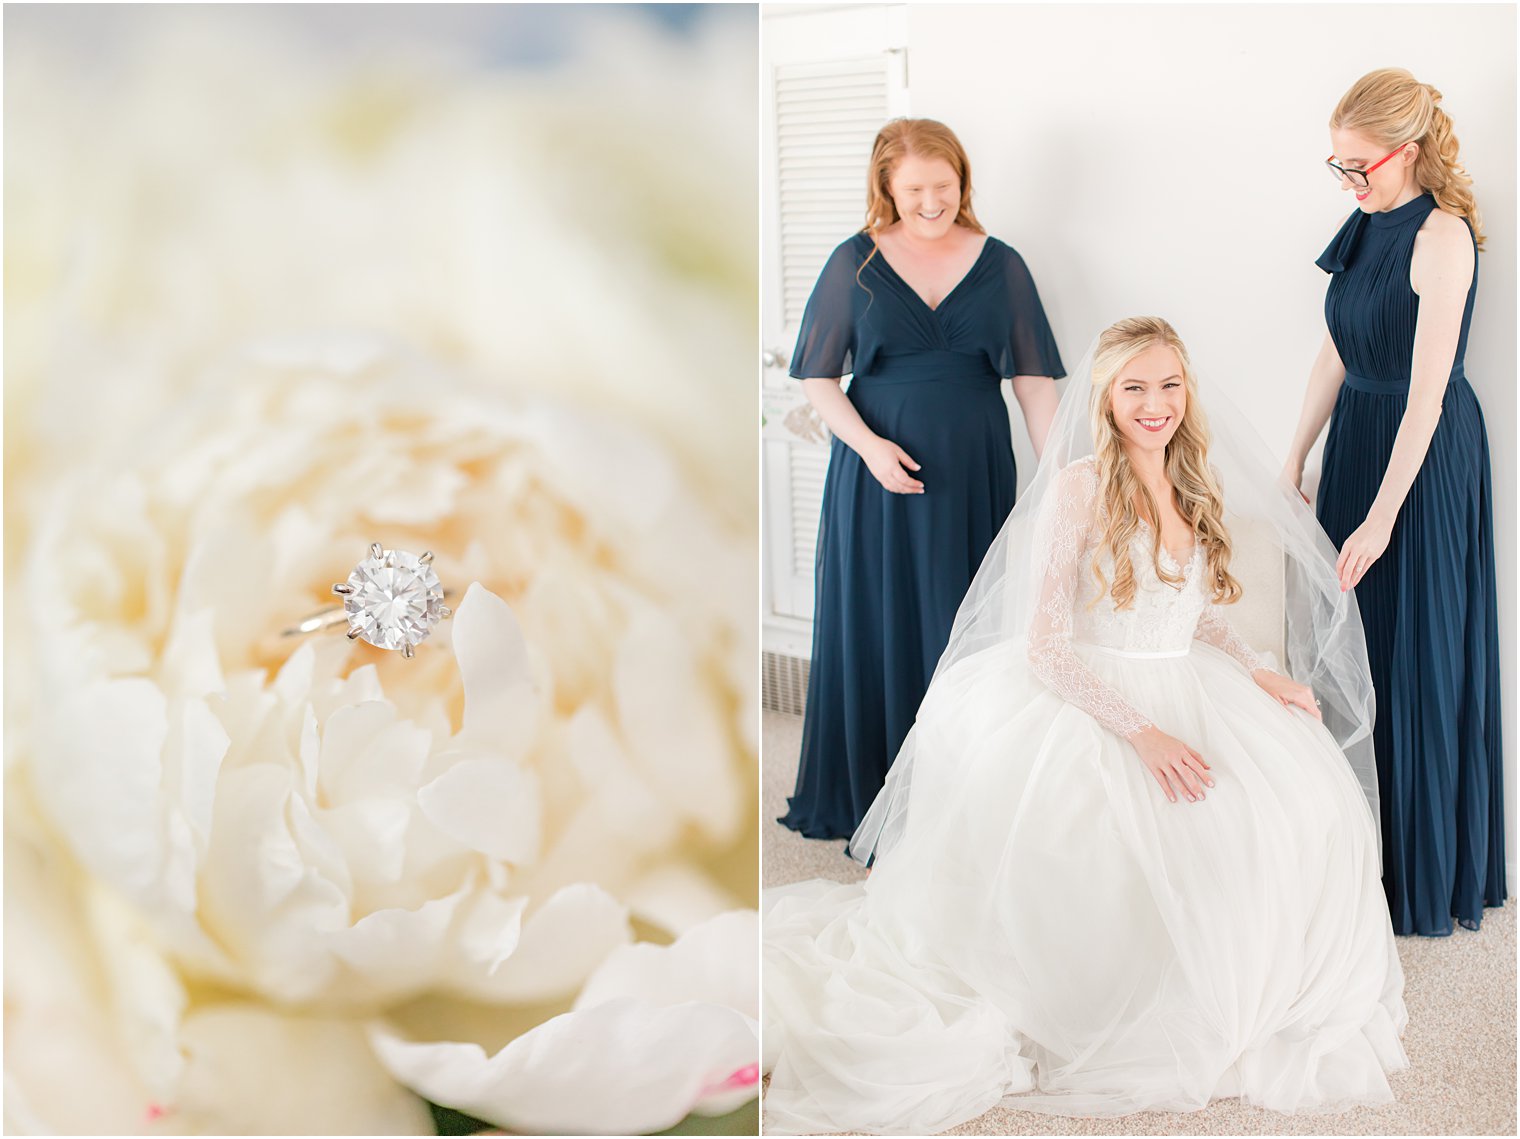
(1429, 604)
(892, 568)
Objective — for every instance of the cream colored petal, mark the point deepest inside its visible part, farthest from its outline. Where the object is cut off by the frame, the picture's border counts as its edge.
(501, 705)
(624, 1067)
(676, 896)
(717, 962)
(189, 664)
(253, 1071)
(400, 952)
(371, 833)
(488, 935)
(89, 1002)
(273, 884)
(562, 941)
(488, 804)
(669, 717)
(625, 799)
(192, 761)
(366, 752)
(101, 782)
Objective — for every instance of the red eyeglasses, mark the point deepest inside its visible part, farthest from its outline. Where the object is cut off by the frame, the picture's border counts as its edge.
(1357, 178)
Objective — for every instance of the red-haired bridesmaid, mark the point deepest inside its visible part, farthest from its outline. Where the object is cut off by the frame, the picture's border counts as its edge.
(929, 314)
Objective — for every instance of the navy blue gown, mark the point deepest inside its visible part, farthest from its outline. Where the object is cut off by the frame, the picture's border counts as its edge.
(892, 568)
(1428, 604)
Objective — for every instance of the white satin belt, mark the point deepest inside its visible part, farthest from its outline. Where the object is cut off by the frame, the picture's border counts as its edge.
(1135, 654)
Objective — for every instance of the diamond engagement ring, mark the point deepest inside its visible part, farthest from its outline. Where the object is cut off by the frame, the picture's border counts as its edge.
(392, 600)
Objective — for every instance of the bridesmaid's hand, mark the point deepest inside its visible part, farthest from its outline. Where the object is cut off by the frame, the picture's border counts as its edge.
(1365, 546)
(886, 461)
(1287, 691)
(1172, 763)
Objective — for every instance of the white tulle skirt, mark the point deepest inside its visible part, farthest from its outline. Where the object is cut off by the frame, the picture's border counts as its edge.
(1053, 933)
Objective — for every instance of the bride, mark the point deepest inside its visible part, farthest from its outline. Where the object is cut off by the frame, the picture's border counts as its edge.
(1119, 864)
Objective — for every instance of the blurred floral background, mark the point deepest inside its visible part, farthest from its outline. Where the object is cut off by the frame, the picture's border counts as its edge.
(281, 281)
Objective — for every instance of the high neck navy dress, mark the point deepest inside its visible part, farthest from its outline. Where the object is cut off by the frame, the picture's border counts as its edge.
(892, 568)
(1428, 604)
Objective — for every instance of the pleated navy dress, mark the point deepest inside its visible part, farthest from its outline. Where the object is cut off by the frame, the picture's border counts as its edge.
(892, 568)
(1428, 604)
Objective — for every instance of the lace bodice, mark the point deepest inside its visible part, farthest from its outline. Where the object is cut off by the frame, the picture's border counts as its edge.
(1162, 618)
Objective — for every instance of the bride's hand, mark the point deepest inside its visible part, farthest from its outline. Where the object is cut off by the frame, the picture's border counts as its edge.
(1173, 763)
(1287, 692)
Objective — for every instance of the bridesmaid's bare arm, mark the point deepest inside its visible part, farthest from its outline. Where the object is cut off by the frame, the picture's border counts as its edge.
(1325, 379)
(1440, 273)
(1038, 401)
(885, 459)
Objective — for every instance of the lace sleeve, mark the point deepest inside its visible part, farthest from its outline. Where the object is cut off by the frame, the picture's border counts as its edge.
(1214, 628)
(1063, 539)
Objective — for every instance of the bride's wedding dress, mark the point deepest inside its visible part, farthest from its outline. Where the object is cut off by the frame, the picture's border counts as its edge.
(1051, 924)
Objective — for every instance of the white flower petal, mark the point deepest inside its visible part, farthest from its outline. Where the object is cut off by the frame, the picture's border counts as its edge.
(68, 946)
(272, 883)
(717, 962)
(488, 935)
(372, 836)
(101, 783)
(676, 897)
(292, 683)
(624, 1067)
(626, 803)
(250, 1071)
(366, 751)
(399, 952)
(581, 449)
(673, 728)
(489, 804)
(150, 998)
(192, 761)
(413, 493)
(562, 941)
(362, 686)
(309, 751)
(500, 701)
(190, 665)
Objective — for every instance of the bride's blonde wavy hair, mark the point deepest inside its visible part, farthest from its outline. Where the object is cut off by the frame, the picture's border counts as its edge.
(1393, 108)
(1121, 492)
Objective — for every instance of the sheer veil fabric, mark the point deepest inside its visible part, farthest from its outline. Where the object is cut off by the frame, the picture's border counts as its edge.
(1042, 924)
(1322, 628)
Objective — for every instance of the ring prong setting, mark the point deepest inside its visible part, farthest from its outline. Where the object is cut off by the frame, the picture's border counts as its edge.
(393, 599)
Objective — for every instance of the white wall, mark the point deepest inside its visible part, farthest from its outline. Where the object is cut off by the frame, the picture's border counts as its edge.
(1168, 159)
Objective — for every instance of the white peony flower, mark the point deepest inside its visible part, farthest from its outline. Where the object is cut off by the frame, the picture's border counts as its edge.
(234, 857)
(341, 830)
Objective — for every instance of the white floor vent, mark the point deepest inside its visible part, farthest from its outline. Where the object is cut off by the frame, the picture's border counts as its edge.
(783, 686)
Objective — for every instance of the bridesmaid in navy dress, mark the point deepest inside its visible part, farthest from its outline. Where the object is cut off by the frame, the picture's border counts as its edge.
(929, 314)
(1405, 495)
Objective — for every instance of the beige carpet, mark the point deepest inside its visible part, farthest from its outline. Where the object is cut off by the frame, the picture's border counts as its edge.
(1460, 991)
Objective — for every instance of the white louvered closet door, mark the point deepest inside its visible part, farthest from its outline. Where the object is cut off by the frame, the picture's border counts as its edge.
(831, 79)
